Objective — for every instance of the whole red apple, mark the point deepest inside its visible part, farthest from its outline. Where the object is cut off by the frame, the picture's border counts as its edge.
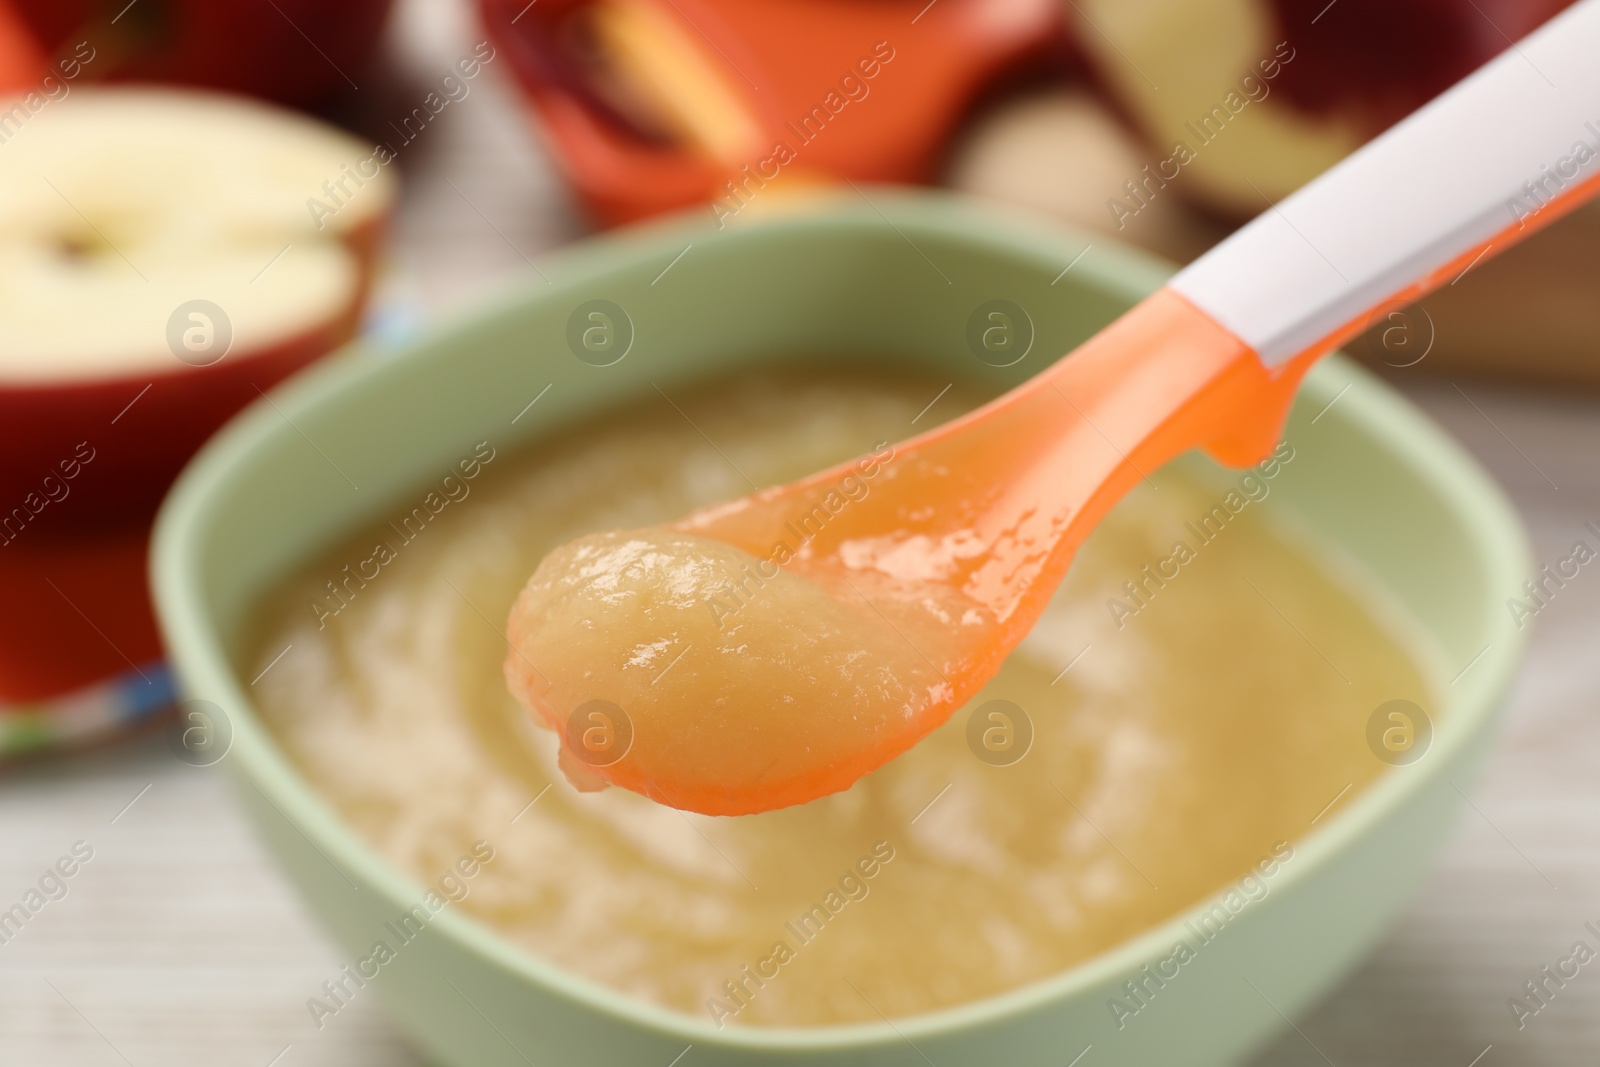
(298, 52)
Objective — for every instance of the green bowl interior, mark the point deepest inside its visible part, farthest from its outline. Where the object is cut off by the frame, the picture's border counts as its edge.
(892, 282)
(837, 287)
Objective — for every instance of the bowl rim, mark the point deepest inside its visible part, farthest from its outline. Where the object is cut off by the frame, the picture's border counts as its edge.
(1493, 534)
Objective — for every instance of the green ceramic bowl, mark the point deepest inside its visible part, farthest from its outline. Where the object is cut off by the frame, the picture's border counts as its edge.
(901, 275)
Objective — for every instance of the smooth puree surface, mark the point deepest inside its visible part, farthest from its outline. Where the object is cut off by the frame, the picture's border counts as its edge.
(777, 682)
(1180, 737)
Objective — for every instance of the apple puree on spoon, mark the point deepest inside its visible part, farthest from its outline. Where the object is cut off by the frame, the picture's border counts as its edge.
(816, 675)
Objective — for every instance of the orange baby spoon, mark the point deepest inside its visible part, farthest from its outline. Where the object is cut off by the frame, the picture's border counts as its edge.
(825, 626)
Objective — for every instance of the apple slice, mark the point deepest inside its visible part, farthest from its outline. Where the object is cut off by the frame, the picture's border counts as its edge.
(174, 251)
(1243, 101)
(1178, 66)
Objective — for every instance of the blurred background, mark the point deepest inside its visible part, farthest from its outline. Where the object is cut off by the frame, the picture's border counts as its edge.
(493, 133)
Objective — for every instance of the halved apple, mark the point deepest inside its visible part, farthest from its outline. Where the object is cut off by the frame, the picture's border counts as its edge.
(164, 254)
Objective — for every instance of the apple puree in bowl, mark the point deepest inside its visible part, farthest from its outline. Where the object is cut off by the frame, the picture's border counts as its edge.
(1175, 721)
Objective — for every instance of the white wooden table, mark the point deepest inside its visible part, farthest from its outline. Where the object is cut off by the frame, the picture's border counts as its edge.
(179, 944)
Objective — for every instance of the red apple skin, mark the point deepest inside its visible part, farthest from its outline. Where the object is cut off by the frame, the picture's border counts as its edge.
(1380, 60)
(137, 455)
(78, 562)
(245, 46)
(88, 612)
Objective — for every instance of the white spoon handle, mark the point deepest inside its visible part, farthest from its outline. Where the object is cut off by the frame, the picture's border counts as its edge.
(1505, 150)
